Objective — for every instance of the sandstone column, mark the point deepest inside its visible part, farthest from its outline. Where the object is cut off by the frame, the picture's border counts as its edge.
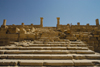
(4, 22)
(87, 24)
(22, 24)
(41, 22)
(78, 23)
(97, 22)
(58, 22)
(31, 24)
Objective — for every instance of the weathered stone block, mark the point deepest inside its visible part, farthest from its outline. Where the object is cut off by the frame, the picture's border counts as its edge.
(4, 41)
(91, 48)
(96, 35)
(93, 38)
(77, 35)
(22, 31)
(98, 38)
(85, 35)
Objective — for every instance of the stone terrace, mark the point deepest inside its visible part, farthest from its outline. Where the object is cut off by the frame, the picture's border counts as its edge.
(36, 53)
(61, 46)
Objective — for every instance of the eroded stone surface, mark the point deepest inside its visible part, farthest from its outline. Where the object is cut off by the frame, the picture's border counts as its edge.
(64, 45)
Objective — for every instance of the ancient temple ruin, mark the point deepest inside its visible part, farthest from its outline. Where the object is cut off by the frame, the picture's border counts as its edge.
(64, 45)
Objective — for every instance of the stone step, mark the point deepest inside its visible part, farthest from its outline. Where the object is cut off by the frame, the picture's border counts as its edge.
(43, 48)
(77, 48)
(78, 45)
(9, 62)
(49, 56)
(58, 42)
(36, 62)
(52, 66)
(42, 45)
(46, 52)
(33, 48)
(81, 45)
(81, 52)
(36, 56)
(86, 62)
(86, 56)
(48, 45)
(56, 45)
(75, 42)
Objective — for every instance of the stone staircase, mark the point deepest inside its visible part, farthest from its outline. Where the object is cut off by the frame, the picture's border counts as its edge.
(56, 54)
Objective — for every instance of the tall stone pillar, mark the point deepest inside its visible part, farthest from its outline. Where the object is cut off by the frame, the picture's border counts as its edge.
(41, 21)
(58, 22)
(4, 22)
(97, 22)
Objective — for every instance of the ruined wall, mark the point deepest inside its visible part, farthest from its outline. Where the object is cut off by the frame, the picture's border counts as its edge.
(11, 37)
(25, 26)
(4, 41)
(90, 34)
(27, 37)
(17, 32)
(75, 28)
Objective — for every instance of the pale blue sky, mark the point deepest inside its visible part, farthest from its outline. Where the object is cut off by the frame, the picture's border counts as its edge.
(30, 11)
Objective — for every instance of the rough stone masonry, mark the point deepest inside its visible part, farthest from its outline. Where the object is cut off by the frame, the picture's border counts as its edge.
(63, 45)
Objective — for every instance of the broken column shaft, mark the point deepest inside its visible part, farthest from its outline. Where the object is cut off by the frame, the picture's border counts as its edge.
(41, 21)
(58, 22)
(4, 22)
